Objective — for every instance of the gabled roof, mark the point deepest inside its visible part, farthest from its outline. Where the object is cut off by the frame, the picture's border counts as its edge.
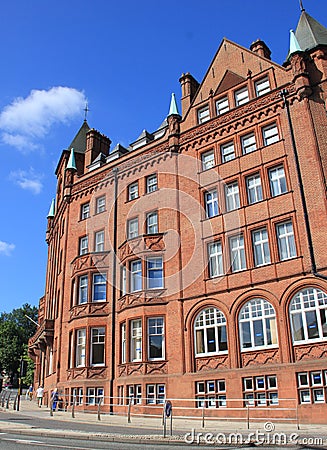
(310, 33)
(79, 141)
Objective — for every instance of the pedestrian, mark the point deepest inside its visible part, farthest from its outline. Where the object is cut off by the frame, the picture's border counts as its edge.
(30, 392)
(39, 395)
(54, 399)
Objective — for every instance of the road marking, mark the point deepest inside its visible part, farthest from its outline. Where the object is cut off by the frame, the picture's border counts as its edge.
(45, 444)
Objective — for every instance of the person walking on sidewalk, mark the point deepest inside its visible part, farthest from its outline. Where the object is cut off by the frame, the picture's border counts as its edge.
(39, 395)
(30, 392)
(54, 399)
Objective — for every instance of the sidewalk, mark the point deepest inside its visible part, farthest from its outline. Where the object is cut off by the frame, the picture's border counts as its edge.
(116, 428)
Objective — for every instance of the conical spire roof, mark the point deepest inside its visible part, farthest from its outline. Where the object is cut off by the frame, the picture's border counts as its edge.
(71, 162)
(309, 32)
(294, 45)
(173, 109)
(51, 212)
(79, 141)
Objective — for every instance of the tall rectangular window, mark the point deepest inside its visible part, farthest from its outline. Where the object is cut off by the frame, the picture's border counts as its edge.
(232, 196)
(100, 205)
(99, 287)
(286, 242)
(208, 160)
(227, 152)
(85, 211)
(203, 114)
(136, 275)
(82, 289)
(237, 253)
(80, 348)
(248, 143)
(123, 343)
(254, 188)
(94, 396)
(133, 191)
(277, 181)
(261, 247)
(211, 203)
(241, 96)
(132, 228)
(270, 134)
(123, 280)
(155, 393)
(215, 259)
(154, 273)
(136, 340)
(222, 106)
(262, 86)
(151, 183)
(156, 338)
(97, 346)
(152, 222)
(99, 241)
(83, 245)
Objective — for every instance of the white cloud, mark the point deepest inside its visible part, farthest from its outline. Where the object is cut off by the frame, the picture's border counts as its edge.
(27, 120)
(6, 248)
(30, 180)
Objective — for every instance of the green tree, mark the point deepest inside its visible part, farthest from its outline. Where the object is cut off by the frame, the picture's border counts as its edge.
(15, 330)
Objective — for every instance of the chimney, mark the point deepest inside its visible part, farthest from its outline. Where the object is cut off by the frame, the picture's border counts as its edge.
(96, 143)
(261, 48)
(189, 87)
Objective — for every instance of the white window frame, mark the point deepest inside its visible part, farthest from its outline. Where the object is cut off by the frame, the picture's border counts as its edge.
(286, 240)
(214, 320)
(208, 160)
(123, 342)
(85, 211)
(222, 105)
(99, 241)
(133, 228)
(151, 183)
(98, 339)
(83, 289)
(258, 311)
(78, 395)
(203, 114)
(94, 395)
(136, 340)
(261, 249)
(254, 188)
(277, 181)
(241, 96)
(136, 275)
(99, 281)
(232, 195)
(133, 191)
(227, 152)
(248, 143)
(237, 253)
(154, 265)
(215, 256)
(262, 86)
(308, 304)
(123, 280)
(152, 222)
(100, 204)
(270, 134)
(211, 203)
(83, 245)
(80, 355)
(156, 331)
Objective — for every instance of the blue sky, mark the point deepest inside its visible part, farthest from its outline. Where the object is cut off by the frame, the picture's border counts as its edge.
(124, 58)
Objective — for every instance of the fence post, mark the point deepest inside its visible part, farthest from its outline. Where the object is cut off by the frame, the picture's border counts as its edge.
(73, 407)
(99, 406)
(129, 409)
(51, 405)
(297, 417)
(8, 400)
(171, 422)
(15, 402)
(164, 419)
(203, 413)
(3, 398)
(248, 416)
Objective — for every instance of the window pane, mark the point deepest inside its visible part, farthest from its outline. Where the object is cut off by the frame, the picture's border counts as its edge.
(222, 106)
(248, 143)
(208, 160)
(154, 273)
(227, 152)
(312, 324)
(241, 96)
(203, 114)
(211, 201)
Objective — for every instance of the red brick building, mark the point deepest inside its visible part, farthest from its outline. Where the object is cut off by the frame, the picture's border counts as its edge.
(192, 265)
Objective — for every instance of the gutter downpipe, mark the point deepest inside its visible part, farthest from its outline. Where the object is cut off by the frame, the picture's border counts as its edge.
(283, 94)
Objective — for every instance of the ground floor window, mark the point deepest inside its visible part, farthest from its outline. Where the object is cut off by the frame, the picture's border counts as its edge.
(94, 395)
(134, 394)
(312, 386)
(120, 395)
(260, 390)
(155, 393)
(77, 395)
(210, 393)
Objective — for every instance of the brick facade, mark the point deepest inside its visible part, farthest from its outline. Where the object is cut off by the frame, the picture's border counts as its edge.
(192, 265)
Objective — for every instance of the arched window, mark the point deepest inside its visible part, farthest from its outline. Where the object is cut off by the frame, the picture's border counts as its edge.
(210, 332)
(308, 315)
(257, 322)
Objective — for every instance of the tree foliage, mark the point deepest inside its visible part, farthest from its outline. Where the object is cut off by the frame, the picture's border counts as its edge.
(15, 330)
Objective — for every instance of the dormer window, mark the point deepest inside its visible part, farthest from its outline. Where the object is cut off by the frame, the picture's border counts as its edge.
(222, 106)
(262, 86)
(203, 114)
(241, 96)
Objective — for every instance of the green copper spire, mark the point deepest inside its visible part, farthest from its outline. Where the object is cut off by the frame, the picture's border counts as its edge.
(51, 212)
(71, 162)
(294, 44)
(173, 110)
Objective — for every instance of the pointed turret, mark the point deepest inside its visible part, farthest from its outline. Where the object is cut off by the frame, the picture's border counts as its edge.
(294, 44)
(71, 162)
(173, 109)
(51, 212)
(310, 33)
